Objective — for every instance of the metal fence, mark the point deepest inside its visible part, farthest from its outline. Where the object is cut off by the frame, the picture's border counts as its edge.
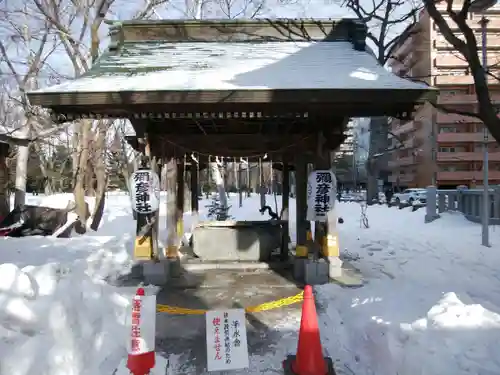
(464, 200)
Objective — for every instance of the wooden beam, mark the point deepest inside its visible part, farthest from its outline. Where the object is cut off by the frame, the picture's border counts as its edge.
(194, 177)
(172, 250)
(242, 145)
(301, 210)
(168, 101)
(179, 203)
(285, 211)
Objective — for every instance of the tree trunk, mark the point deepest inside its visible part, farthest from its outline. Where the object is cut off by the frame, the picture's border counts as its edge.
(219, 183)
(41, 158)
(79, 187)
(21, 175)
(4, 191)
(100, 172)
(75, 146)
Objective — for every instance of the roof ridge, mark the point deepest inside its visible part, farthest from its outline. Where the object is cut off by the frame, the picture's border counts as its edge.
(345, 29)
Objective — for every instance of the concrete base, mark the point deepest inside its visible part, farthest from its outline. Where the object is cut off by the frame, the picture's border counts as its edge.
(349, 276)
(237, 240)
(155, 273)
(430, 218)
(299, 269)
(174, 267)
(287, 366)
(204, 266)
(334, 267)
(316, 272)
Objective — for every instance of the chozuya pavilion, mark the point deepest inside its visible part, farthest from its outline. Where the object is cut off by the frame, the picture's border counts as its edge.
(282, 88)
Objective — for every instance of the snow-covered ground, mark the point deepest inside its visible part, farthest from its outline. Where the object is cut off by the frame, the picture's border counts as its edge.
(430, 305)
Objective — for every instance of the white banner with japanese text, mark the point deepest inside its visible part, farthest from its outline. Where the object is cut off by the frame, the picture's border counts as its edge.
(321, 191)
(227, 347)
(145, 191)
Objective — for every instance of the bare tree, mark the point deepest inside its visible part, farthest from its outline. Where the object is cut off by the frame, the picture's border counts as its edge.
(390, 23)
(30, 45)
(464, 41)
(79, 28)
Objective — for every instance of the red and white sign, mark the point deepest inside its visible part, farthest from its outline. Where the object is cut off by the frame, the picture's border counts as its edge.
(227, 347)
(141, 343)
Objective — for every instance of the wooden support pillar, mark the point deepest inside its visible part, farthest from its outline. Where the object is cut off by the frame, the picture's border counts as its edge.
(285, 210)
(322, 163)
(172, 250)
(239, 183)
(326, 232)
(143, 245)
(146, 245)
(194, 195)
(301, 210)
(262, 189)
(181, 167)
(155, 216)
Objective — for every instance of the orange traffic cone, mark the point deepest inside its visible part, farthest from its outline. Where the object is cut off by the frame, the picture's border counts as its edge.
(309, 359)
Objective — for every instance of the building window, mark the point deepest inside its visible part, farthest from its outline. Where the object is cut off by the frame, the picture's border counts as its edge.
(452, 149)
(448, 129)
(455, 72)
(478, 128)
(454, 168)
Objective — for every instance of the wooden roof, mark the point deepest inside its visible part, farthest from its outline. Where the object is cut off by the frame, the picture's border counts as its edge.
(175, 66)
(273, 83)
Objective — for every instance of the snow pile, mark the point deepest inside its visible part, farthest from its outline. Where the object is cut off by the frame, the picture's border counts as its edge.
(382, 335)
(58, 312)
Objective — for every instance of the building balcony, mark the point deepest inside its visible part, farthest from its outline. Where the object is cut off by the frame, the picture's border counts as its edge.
(452, 59)
(493, 41)
(466, 176)
(401, 162)
(463, 99)
(463, 137)
(407, 47)
(403, 128)
(465, 156)
(403, 179)
(451, 118)
(449, 80)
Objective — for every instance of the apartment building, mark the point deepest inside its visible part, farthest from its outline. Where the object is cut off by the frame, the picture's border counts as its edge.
(349, 160)
(437, 147)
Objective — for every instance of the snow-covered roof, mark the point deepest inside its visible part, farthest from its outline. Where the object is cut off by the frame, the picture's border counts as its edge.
(193, 66)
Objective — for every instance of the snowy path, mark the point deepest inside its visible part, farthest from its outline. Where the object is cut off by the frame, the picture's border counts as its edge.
(430, 306)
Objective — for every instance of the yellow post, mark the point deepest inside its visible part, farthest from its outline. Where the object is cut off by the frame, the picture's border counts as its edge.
(180, 229)
(143, 248)
(330, 246)
(301, 251)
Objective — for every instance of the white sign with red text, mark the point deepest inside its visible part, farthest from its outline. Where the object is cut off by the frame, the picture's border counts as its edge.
(142, 325)
(227, 347)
